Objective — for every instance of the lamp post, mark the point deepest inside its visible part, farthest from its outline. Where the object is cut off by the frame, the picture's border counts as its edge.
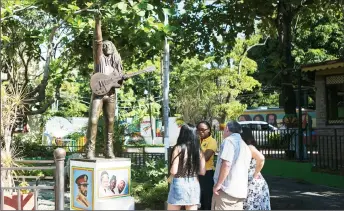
(147, 93)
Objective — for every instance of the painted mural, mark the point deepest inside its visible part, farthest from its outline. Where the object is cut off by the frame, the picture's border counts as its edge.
(114, 182)
(276, 117)
(82, 188)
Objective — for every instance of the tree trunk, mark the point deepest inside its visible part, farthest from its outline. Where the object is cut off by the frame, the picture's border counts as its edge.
(284, 26)
(6, 161)
(7, 139)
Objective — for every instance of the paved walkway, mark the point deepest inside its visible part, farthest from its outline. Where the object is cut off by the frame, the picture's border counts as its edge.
(286, 194)
(291, 194)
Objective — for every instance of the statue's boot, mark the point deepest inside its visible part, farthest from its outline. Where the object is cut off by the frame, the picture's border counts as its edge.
(109, 146)
(90, 149)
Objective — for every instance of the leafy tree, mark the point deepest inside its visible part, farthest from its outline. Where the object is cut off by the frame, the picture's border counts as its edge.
(219, 22)
(132, 99)
(317, 36)
(41, 53)
(45, 42)
(205, 90)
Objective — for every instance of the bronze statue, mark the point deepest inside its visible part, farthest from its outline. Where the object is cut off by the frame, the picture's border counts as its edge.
(107, 61)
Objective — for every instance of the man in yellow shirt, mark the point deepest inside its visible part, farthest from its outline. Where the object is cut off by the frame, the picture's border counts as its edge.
(208, 147)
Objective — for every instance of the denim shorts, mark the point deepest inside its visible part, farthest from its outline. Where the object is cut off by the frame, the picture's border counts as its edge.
(184, 191)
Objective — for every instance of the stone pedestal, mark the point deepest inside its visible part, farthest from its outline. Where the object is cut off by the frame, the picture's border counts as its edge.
(101, 184)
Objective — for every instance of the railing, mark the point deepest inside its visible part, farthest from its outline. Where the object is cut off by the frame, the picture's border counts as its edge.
(138, 159)
(324, 150)
(330, 153)
(59, 157)
(282, 144)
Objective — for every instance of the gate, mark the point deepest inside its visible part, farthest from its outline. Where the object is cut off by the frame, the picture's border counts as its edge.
(59, 158)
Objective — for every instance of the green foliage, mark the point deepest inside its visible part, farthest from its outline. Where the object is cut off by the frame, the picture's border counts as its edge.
(143, 145)
(203, 89)
(260, 98)
(274, 139)
(280, 140)
(66, 28)
(149, 186)
(39, 173)
(151, 197)
(34, 149)
(299, 32)
(133, 102)
(24, 184)
(136, 140)
(232, 110)
(75, 135)
(153, 172)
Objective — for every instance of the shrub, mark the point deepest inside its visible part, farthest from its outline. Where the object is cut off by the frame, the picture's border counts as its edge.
(153, 172)
(34, 150)
(155, 196)
(274, 140)
(136, 139)
(143, 145)
(149, 184)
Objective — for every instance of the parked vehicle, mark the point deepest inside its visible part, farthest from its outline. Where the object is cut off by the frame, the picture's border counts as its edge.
(261, 130)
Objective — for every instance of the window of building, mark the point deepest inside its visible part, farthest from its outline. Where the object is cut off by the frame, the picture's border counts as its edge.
(335, 99)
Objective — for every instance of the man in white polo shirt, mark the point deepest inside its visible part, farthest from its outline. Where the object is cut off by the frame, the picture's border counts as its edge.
(231, 173)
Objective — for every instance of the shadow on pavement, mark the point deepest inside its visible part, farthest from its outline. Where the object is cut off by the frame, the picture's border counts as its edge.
(291, 194)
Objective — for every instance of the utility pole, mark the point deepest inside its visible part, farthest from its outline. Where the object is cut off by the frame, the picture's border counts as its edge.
(300, 133)
(166, 89)
(148, 95)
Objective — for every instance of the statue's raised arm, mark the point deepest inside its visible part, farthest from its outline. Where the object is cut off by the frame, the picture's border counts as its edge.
(97, 43)
(106, 57)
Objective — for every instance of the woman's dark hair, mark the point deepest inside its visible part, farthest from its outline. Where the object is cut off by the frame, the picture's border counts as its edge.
(188, 141)
(247, 136)
(207, 124)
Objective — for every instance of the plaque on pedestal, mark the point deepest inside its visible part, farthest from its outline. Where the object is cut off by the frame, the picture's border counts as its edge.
(100, 184)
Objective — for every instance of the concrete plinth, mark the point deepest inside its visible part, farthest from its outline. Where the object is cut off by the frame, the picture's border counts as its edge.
(101, 184)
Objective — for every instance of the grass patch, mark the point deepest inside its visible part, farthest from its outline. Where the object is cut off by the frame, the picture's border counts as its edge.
(302, 172)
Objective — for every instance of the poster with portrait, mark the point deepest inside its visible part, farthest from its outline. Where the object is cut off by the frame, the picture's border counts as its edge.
(145, 128)
(82, 188)
(113, 182)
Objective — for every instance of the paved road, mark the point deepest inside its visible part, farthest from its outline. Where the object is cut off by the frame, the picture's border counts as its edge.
(286, 194)
(290, 194)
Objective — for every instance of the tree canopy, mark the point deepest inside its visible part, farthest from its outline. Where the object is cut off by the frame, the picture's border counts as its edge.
(225, 55)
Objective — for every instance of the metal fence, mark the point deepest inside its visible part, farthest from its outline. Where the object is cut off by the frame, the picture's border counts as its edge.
(325, 151)
(59, 158)
(282, 144)
(139, 159)
(330, 150)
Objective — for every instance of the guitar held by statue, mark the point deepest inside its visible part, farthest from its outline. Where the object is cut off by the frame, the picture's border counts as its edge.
(102, 83)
